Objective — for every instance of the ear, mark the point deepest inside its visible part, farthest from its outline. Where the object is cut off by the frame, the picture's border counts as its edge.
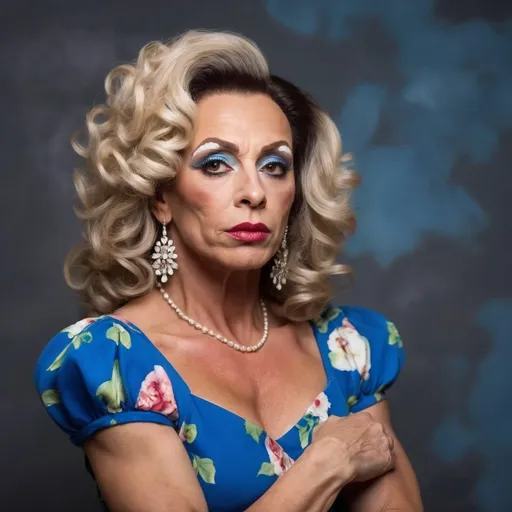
(160, 207)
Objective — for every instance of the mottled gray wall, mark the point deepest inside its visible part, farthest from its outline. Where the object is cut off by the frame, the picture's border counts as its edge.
(422, 93)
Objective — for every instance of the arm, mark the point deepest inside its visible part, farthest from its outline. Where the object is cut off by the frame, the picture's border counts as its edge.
(144, 466)
(396, 490)
(310, 485)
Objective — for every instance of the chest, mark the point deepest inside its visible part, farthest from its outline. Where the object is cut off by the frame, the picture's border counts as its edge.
(270, 388)
(235, 458)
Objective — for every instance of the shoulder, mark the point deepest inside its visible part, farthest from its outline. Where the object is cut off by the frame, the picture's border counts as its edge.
(103, 371)
(67, 343)
(364, 348)
(367, 322)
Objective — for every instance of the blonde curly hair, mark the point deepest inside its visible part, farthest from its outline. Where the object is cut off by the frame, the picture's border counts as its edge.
(135, 145)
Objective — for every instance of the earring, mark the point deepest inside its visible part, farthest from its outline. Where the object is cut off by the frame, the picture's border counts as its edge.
(280, 267)
(164, 256)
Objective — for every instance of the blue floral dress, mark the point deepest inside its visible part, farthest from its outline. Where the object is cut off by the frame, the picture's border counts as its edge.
(104, 371)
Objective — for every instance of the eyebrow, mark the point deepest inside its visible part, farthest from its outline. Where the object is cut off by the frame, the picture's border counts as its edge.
(233, 148)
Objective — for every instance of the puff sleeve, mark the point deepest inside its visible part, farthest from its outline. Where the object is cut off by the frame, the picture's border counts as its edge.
(97, 373)
(367, 349)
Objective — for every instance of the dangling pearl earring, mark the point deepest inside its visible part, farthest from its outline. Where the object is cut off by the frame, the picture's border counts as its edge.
(164, 256)
(280, 267)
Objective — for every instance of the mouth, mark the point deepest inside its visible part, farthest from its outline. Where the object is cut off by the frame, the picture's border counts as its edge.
(248, 232)
(248, 226)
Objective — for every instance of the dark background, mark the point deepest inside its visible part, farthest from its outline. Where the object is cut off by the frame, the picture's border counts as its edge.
(422, 93)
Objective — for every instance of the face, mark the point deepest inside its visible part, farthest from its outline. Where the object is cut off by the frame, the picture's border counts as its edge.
(238, 169)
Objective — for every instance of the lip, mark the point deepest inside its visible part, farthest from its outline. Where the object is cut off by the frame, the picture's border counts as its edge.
(248, 226)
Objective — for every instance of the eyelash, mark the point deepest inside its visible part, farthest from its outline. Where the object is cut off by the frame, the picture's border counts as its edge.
(216, 158)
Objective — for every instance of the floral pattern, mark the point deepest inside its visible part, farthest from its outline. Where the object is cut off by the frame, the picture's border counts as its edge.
(111, 391)
(188, 433)
(118, 334)
(323, 321)
(253, 430)
(205, 468)
(319, 407)
(78, 336)
(78, 327)
(156, 394)
(80, 399)
(279, 463)
(349, 351)
(394, 337)
(316, 414)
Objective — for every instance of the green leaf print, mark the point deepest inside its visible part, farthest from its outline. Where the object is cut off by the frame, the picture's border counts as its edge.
(305, 431)
(189, 432)
(394, 336)
(50, 397)
(253, 430)
(118, 334)
(204, 468)
(322, 322)
(112, 391)
(352, 400)
(76, 341)
(113, 422)
(266, 469)
(57, 362)
(83, 337)
(304, 435)
(379, 395)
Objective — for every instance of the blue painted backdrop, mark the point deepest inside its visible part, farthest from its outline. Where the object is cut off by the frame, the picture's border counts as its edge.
(422, 93)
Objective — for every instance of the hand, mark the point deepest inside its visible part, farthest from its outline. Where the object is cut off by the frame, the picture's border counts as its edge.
(357, 444)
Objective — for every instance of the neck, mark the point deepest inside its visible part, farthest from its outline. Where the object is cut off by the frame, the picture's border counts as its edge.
(226, 301)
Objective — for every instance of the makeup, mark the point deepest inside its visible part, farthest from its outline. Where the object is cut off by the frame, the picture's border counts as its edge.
(285, 149)
(220, 153)
(248, 232)
(207, 146)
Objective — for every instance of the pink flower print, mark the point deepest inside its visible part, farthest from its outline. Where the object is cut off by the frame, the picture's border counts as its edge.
(156, 394)
(320, 407)
(346, 323)
(278, 458)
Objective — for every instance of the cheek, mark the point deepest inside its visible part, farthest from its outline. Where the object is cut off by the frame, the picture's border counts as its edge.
(286, 195)
(201, 199)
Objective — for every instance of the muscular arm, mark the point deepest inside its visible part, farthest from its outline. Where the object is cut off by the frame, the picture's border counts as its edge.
(396, 490)
(144, 466)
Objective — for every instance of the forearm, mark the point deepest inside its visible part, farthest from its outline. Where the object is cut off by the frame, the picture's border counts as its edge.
(392, 492)
(309, 485)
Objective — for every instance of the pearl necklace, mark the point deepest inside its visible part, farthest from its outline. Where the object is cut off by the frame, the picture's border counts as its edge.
(223, 339)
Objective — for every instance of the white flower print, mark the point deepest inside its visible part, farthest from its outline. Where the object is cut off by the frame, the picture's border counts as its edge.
(319, 407)
(78, 327)
(280, 462)
(349, 350)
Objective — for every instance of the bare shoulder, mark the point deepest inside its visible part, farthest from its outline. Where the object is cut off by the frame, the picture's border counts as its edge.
(145, 312)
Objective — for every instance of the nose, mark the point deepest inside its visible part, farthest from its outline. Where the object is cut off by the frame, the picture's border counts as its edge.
(250, 191)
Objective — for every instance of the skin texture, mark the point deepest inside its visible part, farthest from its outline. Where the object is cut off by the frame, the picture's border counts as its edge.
(145, 466)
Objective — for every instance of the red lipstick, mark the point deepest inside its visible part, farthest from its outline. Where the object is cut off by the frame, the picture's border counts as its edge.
(248, 232)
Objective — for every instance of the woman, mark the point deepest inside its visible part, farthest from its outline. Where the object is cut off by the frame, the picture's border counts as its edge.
(220, 329)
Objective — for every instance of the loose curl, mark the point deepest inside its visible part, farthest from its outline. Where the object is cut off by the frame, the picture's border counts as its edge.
(135, 146)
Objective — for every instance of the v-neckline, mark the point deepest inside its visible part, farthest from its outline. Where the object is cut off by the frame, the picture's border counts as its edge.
(263, 430)
(326, 368)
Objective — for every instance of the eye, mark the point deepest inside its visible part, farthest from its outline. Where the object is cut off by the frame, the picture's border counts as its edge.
(213, 165)
(275, 166)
